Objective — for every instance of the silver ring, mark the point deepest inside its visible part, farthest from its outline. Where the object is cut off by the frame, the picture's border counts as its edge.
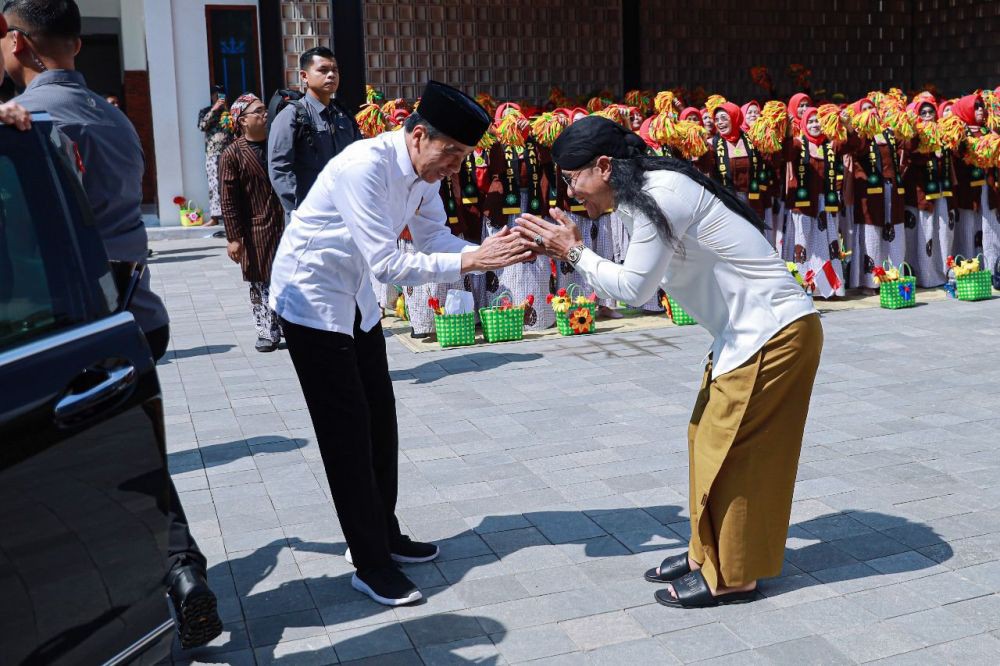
(539, 242)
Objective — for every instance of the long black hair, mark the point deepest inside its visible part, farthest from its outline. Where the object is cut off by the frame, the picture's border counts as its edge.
(628, 177)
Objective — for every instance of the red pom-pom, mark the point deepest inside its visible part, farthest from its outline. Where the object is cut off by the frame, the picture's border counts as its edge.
(548, 299)
(530, 300)
(433, 303)
(561, 292)
(179, 201)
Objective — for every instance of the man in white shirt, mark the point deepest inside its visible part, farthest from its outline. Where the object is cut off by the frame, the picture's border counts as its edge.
(705, 247)
(343, 233)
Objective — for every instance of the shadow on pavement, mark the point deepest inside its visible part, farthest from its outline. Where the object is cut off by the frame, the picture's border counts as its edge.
(277, 611)
(204, 350)
(431, 371)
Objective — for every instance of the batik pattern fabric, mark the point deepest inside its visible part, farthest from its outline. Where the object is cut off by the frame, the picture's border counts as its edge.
(416, 297)
(874, 245)
(814, 241)
(929, 236)
(619, 248)
(264, 318)
(598, 237)
(972, 226)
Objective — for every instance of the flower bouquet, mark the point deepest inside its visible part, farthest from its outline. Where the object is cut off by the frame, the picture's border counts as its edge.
(504, 321)
(191, 215)
(453, 330)
(576, 314)
(972, 283)
(896, 289)
(677, 314)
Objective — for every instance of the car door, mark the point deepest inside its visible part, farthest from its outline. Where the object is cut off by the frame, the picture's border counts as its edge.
(83, 476)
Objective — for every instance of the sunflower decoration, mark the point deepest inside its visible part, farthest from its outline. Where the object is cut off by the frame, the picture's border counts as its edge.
(581, 320)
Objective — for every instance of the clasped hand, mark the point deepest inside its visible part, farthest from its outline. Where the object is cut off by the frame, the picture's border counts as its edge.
(498, 251)
(554, 239)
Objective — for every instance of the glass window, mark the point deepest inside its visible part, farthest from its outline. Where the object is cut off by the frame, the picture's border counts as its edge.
(37, 293)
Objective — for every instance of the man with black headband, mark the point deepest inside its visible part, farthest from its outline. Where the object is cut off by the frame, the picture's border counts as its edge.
(704, 246)
(343, 233)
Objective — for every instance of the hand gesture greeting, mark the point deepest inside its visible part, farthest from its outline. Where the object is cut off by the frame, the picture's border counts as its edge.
(554, 240)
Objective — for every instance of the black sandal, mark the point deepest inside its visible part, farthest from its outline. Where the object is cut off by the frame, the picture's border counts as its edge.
(670, 569)
(693, 592)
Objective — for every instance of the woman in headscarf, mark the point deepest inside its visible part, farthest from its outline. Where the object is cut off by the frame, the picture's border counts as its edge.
(706, 243)
(518, 183)
(813, 202)
(975, 196)
(797, 105)
(928, 177)
(735, 163)
(878, 204)
(751, 111)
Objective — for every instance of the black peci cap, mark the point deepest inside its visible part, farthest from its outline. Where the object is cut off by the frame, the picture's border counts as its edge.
(454, 113)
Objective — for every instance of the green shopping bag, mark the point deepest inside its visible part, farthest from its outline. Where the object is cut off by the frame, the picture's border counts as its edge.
(502, 325)
(578, 319)
(901, 293)
(677, 314)
(456, 330)
(974, 286)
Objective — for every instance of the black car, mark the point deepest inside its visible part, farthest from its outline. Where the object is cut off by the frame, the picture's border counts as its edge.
(83, 477)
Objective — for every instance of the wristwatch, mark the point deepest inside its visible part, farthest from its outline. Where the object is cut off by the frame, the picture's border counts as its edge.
(574, 254)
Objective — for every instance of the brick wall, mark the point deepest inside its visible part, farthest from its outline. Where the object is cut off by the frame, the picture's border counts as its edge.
(304, 25)
(850, 45)
(512, 49)
(956, 44)
(139, 110)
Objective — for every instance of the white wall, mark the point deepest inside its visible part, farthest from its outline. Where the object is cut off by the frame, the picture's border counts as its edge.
(100, 8)
(177, 49)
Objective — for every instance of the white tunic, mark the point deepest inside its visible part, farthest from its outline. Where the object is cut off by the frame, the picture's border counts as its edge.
(722, 271)
(345, 231)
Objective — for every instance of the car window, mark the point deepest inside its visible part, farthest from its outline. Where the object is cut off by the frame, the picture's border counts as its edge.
(38, 294)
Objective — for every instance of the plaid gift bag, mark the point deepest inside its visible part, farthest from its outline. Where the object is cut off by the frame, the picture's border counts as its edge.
(974, 286)
(901, 293)
(456, 330)
(677, 314)
(502, 325)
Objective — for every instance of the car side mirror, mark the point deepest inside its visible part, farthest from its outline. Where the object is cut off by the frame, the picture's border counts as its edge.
(126, 275)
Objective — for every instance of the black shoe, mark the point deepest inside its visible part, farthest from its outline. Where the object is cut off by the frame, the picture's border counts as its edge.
(197, 616)
(388, 586)
(407, 551)
(418, 336)
(264, 345)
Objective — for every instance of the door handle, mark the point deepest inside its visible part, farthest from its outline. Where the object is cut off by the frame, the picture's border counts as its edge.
(116, 381)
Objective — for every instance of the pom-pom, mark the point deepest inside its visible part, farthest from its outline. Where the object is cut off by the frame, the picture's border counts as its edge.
(992, 101)
(768, 131)
(689, 139)
(983, 151)
(664, 102)
(713, 102)
(929, 138)
(663, 129)
(508, 133)
(618, 113)
(488, 139)
(867, 124)
(640, 99)
(903, 123)
(486, 101)
(371, 121)
(373, 96)
(547, 128)
(831, 124)
(952, 132)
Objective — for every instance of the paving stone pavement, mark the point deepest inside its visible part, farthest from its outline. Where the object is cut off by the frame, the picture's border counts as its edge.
(552, 474)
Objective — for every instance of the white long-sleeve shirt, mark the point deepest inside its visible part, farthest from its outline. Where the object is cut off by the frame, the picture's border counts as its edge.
(347, 227)
(722, 271)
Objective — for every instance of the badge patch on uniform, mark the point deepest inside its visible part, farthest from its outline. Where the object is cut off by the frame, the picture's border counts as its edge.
(930, 248)
(530, 315)
(888, 232)
(821, 221)
(869, 264)
(978, 242)
(834, 250)
(909, 219)
(951, 220)
(492, 282)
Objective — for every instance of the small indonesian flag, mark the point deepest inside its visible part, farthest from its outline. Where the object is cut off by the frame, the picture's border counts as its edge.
(827, 280)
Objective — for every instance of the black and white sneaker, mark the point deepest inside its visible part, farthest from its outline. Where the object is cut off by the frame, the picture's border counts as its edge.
(388, 586)
(407, 551)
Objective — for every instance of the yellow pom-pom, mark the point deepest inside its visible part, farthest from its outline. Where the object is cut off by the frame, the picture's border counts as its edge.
(867, 124)
(547, 128)
(713, 102)
(831, 124)
(508, 133)
(640, 99)
(903, 123)
(952, 132)
(992, 101)
(371, 121)
(689, 139)
(595, 104)
(662, 128)
(664, 102)
(618, 113)
(983, 151)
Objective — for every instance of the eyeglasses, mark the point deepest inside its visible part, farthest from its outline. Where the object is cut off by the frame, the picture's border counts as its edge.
(259, 112)
(571, 181)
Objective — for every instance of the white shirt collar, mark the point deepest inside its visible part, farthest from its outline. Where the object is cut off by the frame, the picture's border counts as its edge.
(397, 140)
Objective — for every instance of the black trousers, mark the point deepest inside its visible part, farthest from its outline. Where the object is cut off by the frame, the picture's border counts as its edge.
(182, 550)
(349, 394)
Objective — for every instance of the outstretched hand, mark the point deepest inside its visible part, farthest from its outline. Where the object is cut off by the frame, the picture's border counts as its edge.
(556, 239)
(498, 251)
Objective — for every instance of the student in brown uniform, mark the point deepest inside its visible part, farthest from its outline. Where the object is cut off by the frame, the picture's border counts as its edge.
(252, 212)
